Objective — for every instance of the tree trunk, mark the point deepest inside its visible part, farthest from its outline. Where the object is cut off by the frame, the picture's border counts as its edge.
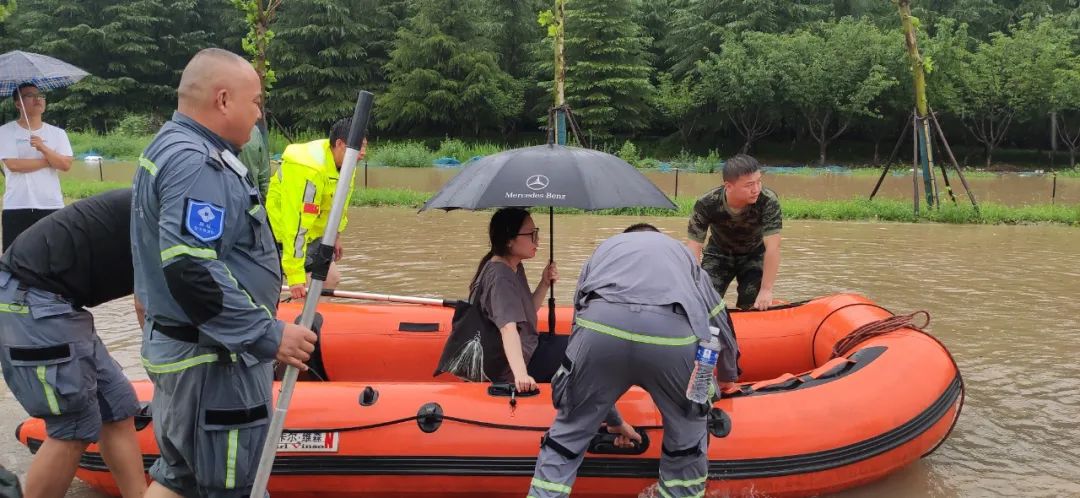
(1072, 157)
(877, 145)
(746, 146)
(989, 155)
(823, 146)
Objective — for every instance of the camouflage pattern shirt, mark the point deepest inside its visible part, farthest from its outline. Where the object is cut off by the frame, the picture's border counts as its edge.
(730, 232)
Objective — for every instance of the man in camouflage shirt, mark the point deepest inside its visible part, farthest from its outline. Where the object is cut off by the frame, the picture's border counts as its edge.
(743, 220)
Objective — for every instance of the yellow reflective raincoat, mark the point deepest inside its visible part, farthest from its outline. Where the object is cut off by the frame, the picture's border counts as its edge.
(299, 201)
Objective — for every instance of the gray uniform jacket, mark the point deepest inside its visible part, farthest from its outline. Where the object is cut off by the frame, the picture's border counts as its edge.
(654, 269)
(203, 251)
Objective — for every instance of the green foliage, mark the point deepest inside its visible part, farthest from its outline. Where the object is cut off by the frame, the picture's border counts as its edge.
(607, 68)
(133, 50)
(325, 52)
(462, 151)
(680, 103)
(444, 72)
(1010, 77)
(400, 155)
(124, 147)
(629, 153)
(833, 73)
(842, 210)
(6, 9)
(134, 125)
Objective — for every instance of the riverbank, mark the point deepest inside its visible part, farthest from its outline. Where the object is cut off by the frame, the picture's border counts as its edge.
(794, 209)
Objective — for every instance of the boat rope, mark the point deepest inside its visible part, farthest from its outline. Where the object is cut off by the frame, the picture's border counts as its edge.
(478, 423)
(890, 324)
(879, 327)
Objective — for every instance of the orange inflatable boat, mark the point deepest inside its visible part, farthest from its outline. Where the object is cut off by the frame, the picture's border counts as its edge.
(804, 422)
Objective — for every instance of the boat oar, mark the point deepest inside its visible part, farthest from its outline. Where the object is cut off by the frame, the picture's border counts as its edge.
(361, 114)
(390, 298)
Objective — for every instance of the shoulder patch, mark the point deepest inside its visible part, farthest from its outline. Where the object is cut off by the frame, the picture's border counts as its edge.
(204, 220)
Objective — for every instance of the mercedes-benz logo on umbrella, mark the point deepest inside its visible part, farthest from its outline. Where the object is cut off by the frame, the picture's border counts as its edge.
(537, 182)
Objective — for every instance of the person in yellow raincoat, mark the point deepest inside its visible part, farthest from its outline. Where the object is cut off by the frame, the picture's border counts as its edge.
(299, 200)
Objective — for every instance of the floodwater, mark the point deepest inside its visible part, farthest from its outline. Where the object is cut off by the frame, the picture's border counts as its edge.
(1007, 189)
(1002, 298)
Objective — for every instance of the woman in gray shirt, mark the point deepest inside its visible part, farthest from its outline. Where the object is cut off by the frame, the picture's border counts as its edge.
(502, 290)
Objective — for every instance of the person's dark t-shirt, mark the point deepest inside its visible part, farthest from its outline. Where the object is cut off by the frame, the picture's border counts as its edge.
(504, 297)
(82, 252)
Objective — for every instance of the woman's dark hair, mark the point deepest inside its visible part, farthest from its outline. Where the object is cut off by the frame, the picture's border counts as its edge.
(504, 226)
(640, 227)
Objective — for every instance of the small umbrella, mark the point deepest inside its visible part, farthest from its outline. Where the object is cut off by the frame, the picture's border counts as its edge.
(549, 175)
(47, 73)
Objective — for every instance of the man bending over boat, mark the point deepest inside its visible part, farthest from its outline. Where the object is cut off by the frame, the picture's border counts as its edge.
(743, 221)
(53, 360)
(641, 306)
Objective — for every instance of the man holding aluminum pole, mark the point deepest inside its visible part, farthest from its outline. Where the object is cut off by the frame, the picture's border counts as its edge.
(207, 272)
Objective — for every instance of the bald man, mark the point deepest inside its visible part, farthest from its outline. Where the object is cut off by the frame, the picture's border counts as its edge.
(208, 275)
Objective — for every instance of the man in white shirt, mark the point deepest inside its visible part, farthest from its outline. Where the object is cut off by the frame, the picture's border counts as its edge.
(32, 152)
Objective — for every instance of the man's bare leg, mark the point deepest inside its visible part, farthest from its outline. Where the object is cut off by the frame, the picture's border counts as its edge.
(120, 448)
(53, 468)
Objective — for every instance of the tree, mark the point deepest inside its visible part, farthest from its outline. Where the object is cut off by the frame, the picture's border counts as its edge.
(607, 74)
(833, 73)
(520, 45)
(134, 52)
(745, 83)
(680, 104)
(699, 27)
(1009, 78)
(259, 15)
(326, 51)
(1066, 102)
(444, 72)
(6, 9)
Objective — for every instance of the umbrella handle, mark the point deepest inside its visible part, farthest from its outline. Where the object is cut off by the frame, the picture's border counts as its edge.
(551, 259)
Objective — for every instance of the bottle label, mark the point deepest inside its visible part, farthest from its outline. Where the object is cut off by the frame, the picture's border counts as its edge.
(707, 356)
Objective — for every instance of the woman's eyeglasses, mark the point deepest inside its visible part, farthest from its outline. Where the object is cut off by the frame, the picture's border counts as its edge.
(535, 235)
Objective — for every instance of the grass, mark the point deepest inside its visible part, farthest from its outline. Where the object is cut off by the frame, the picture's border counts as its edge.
(79, 189)
(112, 146)
(794, 209)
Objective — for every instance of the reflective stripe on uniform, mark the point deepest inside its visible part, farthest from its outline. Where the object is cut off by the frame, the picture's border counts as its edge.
(196, 252)
(550, 486)
(299, 243)
(180, 366)
(301, 232)
(14, 308)
(631, 336)
(250, 300)
(148, 165)
(717, 310)
(50, 396)
(255, 210)
(230, 460)
(682, 483)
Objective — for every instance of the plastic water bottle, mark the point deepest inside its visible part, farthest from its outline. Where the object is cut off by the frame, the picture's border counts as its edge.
(700, 381)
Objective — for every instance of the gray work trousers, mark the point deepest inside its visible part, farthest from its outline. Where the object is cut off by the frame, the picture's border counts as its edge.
(613, 347)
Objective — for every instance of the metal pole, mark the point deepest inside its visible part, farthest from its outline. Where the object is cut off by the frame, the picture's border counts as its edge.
(676, 183)
(365, 172)
(361, 114)
(389, 298)
(952, 159)
(892, 157)
(915, 162)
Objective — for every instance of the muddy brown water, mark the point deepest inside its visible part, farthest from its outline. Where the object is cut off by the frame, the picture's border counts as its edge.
(1007, 189)
(1003, 298)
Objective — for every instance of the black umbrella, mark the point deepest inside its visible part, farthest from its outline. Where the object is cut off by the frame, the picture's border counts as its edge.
(549, 175)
